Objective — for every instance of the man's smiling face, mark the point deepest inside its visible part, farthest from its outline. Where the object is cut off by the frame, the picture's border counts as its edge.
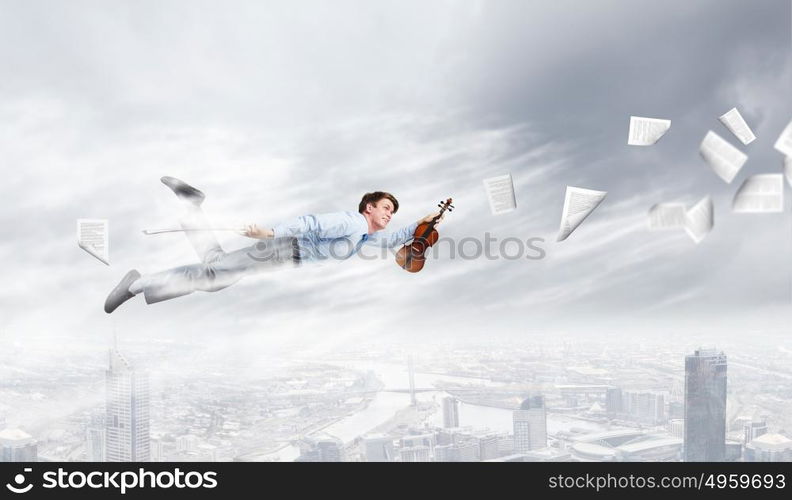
(380, 213)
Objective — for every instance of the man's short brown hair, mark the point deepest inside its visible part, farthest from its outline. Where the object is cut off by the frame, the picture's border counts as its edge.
(374, 198)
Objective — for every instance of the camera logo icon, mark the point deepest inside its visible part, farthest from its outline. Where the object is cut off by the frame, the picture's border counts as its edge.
(20, 479)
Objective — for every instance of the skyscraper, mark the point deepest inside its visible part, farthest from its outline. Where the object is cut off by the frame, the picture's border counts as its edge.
(17, 445)
(705, 406)
(450, 412)
(126, 412)
(530, 425)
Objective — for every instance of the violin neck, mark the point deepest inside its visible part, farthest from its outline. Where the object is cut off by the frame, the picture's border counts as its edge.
(431, 225)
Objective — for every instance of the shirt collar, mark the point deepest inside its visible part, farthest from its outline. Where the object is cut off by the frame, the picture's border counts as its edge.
(364, 222)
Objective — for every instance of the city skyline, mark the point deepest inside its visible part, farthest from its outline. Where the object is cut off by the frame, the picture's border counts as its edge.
(581, 419)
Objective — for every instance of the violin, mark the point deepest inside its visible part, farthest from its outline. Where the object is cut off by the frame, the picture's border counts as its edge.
(411, 256)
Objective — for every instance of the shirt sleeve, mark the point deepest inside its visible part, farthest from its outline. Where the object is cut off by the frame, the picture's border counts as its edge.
(395, 238)
(329, 226)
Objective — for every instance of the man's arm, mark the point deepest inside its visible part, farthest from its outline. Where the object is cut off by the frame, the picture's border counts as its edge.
(332, 225)
(404, 234)
(399, 237)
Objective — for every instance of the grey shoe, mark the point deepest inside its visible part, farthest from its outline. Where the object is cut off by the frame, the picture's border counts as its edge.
(121, 293)
(184, 191)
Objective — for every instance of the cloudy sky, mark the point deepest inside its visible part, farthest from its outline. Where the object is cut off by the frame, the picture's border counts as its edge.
(279, 109)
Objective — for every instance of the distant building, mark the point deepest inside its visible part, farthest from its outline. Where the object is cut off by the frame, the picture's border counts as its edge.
(377, 448)
(647, 407)
(206, 453)
(505, 446)
(488, 447)
(17, 445)
(547, 455)
(769, 448)
(450, 412)
(733, 450)
(676, 410)
(443, 453)
(466, 451)
(613, 401)
(543, 455)
(187, 444)
(705, 406)
(95, 444)
(654, 449)
(464, 444)
(571, 401)
(530, 425)
(626, 446)
(415, 454)
(126, 412)
(444, 436)
(157, 451)
(425, 440)
(676, 427)
(754, 429)
(321, 448)
(738, 424)
(514, 457)
(591, 452)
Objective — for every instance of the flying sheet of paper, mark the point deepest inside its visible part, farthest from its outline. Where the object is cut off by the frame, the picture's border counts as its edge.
(500, 192)
(700, 219)
(734, 121)
(763, 193)
(788, 169)
(784, 142)
(92, 236)
(725, 159)
(646, 131)
(578, 204)
(667, 216)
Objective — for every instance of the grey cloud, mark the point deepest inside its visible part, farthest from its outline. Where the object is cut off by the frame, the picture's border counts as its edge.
(276, 111)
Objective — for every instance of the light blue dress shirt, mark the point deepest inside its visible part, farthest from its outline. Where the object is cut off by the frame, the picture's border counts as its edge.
(338, 235)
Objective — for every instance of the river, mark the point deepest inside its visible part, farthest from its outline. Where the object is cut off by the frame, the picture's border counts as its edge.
(385, 405)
